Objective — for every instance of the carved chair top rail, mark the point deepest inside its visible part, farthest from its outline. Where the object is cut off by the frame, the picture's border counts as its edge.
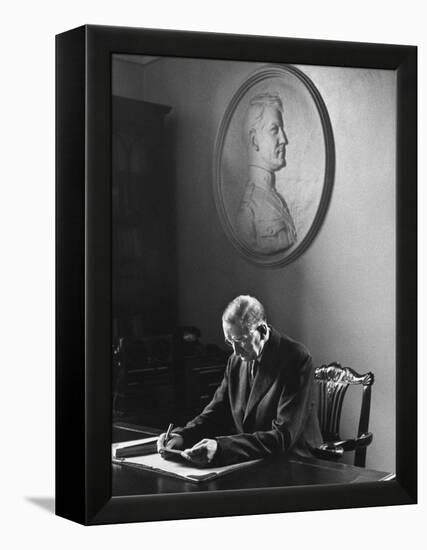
(337, 374)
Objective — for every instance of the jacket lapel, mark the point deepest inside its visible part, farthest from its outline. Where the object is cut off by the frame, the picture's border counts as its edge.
(266, 374)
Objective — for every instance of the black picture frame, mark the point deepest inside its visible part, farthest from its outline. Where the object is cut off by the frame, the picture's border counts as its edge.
(83, 274)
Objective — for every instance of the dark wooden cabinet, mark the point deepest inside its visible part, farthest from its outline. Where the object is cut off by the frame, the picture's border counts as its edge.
(155, 385)
(143, 262)
(143, 205)
(154, 380)
(202, 378)
(145, 381)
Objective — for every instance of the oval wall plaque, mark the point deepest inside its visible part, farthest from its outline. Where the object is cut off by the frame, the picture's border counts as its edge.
(274, 166)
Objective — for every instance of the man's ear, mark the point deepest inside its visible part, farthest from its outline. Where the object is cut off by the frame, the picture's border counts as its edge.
(253, 139)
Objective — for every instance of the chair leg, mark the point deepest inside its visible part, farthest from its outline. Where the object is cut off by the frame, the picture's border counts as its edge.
(360, 457)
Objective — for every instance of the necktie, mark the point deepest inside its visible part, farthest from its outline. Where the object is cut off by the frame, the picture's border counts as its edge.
(253, 371)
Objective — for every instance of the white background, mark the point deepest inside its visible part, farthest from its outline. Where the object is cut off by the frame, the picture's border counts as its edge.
(27, 270)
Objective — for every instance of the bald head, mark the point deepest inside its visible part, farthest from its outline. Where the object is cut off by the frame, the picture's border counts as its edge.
(244, 311)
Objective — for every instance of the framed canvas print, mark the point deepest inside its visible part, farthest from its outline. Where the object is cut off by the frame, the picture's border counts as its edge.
(236, 275)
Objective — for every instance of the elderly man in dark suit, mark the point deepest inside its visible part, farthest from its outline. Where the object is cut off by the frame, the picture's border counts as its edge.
(264, 405)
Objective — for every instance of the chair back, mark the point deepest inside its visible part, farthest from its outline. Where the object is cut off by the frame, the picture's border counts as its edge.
(334, 380)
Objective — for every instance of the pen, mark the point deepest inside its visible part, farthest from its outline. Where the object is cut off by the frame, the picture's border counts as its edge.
(170, 428)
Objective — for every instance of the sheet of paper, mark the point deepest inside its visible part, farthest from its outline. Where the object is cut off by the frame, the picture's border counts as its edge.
(184, 470)
(188, 471)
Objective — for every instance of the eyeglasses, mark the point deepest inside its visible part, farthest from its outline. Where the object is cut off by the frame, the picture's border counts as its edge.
(239, 341)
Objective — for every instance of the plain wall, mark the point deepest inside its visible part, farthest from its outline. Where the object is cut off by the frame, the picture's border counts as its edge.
(338, 298)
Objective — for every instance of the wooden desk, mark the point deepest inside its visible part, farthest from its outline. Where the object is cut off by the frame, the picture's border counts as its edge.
(277, 472)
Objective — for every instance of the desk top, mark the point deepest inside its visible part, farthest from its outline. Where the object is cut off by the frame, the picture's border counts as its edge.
(272, 472)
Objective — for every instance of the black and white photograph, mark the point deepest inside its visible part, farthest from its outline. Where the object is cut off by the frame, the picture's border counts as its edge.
(254, 275)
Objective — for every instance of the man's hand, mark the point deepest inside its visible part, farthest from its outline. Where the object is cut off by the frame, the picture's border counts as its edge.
(202, 453)
(175, 441)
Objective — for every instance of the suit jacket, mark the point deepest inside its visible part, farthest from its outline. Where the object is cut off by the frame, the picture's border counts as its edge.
(278, 414)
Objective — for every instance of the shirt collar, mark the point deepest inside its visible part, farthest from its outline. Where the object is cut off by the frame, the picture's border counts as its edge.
(261, 177)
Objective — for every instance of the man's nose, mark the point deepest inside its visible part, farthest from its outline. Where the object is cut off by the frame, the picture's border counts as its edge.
(282, 136)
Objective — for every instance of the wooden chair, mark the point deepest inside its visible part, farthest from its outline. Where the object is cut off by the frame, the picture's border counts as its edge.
(333, 382)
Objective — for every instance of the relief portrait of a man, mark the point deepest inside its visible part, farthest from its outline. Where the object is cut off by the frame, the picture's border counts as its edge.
(273, 165)
(264, 221)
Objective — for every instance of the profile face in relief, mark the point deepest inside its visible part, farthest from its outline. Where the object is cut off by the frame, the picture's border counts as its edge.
(264, 222)
(268, 140)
